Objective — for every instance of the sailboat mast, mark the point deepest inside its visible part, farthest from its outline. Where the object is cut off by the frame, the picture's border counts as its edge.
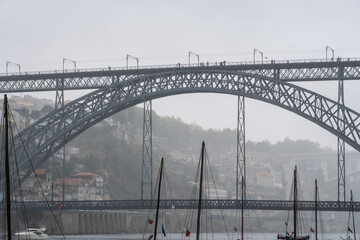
(242, 208)
(158, 198)
(316, 209)
(200, 191)
(7, 168)
(295, 201)
(352, 210)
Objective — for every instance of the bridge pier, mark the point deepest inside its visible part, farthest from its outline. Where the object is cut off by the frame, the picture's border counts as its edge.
(341, 142)
(98, 223)
(107, 226)
(122, 219)
(59, 102)
(146, 170)
(104, 227)
(75, 222)
(87, 221)
(128, 222)
(81, 223)
(92, 223)
(114, 222)
(240, 152)
(118, 223)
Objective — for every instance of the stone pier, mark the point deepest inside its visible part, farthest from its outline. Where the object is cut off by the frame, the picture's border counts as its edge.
(98, 222)
(82, 222)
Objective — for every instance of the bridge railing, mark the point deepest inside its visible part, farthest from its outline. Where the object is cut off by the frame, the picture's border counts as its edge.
(186, 204)
(179, 65)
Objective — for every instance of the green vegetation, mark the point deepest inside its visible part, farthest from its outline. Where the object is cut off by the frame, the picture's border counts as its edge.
(287, 146)
(47, 109)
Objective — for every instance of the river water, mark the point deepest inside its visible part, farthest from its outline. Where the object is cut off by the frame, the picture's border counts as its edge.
(215, 236)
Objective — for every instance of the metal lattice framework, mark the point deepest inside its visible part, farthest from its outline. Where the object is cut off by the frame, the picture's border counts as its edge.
(303, 70)
(240, 146)
(341, 146)
(59, 103)
(312, 70)
(191, 204)
(74, 118)
(146, 170)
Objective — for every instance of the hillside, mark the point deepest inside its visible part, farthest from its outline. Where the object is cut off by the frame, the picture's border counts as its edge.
(113, 148)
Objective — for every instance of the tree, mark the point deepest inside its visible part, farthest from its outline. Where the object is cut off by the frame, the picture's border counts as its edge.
(47, 109)
(24, 112)
(35, 114)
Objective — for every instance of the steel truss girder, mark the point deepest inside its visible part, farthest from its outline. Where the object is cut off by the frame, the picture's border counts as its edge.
(341, 145)
(146, 170)
(59, 103)
(98, 78)
(240, 149)
(79, 115)
(191, 204)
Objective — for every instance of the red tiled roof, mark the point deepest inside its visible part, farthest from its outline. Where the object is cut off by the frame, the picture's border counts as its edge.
(263, 174)
(82, 174)
(69, 181)
(40, 171)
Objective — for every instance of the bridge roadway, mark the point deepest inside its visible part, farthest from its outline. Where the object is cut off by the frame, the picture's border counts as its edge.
(339, 206)
(288, 71)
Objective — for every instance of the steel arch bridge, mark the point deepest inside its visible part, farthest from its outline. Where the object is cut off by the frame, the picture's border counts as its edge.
(53, 131)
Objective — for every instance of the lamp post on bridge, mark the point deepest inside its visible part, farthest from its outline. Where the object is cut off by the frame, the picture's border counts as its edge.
(197, 55)
(66, 59)
(332, 51)
(7, 66)
(127, 61)
(261, 53)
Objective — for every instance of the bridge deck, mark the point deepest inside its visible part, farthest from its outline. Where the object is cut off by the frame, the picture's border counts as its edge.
(191, 204)
(290, 71)
(230, 65)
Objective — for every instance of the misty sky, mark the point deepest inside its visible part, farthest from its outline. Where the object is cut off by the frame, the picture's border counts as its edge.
(38, 34)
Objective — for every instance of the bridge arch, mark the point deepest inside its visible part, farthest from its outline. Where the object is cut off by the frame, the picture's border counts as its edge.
(53, 131)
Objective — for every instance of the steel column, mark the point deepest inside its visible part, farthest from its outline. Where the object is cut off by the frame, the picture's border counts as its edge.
(240, 156)
(146, 173)
(59, 102)
(340, 142)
